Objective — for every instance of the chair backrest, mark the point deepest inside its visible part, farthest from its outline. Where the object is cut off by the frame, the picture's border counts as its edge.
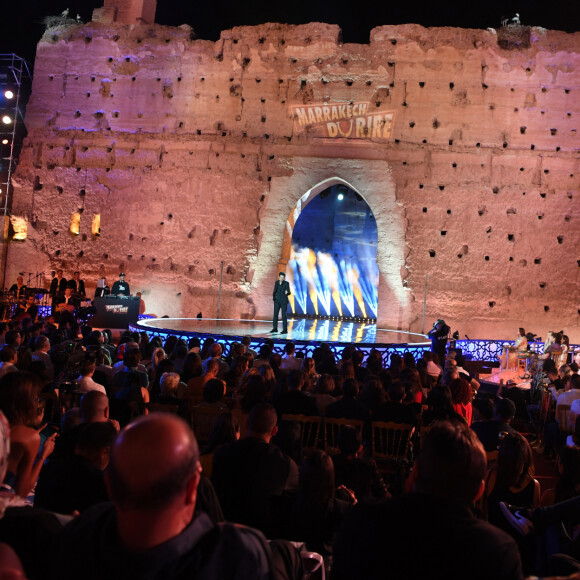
(332, 428)
(391, 440)
(562, 415)
(311, 433)
(203, 419)
(162, 408)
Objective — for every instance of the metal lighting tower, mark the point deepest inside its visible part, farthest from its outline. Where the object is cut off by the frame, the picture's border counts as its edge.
(14, 73)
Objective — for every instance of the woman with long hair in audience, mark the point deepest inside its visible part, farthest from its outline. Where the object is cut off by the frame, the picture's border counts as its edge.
(462, 395)
(267, 374)
(19, 403)
(323, 393)
(372, 394)
(512, 480)
(374, 362)
(310, 375)
(238, 368)
(192, 367)
(165, 366)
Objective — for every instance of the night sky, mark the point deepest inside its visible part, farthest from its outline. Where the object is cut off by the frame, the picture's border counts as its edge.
(21, 25)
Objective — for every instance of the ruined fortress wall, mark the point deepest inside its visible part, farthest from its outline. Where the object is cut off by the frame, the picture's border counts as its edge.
(189, 153)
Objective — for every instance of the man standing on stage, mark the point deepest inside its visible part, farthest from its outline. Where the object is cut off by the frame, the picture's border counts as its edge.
(120, 287)
(57, 288)
(280, 297)
(78, 286)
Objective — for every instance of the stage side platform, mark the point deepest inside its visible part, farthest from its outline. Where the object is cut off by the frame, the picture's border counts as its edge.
(306, 334)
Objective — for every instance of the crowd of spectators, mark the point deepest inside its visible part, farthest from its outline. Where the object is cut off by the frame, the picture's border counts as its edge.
(84, 428)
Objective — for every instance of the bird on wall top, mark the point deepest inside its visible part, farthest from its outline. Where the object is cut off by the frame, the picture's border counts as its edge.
(513, 21)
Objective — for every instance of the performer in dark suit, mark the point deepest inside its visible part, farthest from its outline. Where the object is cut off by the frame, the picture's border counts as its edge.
(27, 308)
(280, 297)
(57, 288)
(18, 289)
(78, 286)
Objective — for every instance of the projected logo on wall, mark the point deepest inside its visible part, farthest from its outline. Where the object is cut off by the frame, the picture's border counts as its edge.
(356, 120)
(333, 265)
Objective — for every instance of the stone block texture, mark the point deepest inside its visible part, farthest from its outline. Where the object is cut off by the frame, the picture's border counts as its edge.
(188, 151)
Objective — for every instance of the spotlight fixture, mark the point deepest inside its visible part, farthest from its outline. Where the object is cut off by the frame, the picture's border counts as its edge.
(9, 94)
(6, 119)
(340, 197)
(5, 141)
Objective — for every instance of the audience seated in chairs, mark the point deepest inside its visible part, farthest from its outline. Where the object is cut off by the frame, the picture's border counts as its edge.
(430, 532)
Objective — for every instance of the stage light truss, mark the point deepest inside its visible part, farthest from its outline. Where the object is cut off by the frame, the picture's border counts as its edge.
(14, 78)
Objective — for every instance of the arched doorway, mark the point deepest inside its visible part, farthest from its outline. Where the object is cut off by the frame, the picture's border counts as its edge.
(332, 258)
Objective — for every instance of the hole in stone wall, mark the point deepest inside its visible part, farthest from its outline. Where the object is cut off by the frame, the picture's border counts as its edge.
(448, 212)
(478, 144)
(488, 230)
(432, 253)
(421, 84)
(482, 210)
(542, 285)
(543, 195)
(510, 237)
(511, 259)
(537, 260)
(451, 85)
(424, 210)
(511, 210)
(560, 239)
(421, 186)
(491, 303)
(412, 124)
(523, 129)
(486, 258)
(454, 165)
(495, 189)
(436, 124)
(441, 187)
(77, 114)
(532, 147)
(546, 308)
(443, 232)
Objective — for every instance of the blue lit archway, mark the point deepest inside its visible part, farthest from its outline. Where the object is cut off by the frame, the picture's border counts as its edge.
(332, 265)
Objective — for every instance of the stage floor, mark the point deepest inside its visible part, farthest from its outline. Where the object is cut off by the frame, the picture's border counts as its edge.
(299, 330)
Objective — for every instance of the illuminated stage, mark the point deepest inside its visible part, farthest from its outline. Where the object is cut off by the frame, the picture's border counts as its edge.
(306, 334)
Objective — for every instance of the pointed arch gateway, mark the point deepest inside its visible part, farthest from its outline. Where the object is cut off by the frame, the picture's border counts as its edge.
(303, 180)
(330, 246)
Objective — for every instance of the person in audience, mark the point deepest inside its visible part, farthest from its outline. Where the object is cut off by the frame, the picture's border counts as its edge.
(354, 470)
(295, 401)
(268, 376)
(216, 354)
(489, 431)
(264, 356)
(131, 366)
(430, 532)
(323, 393)
(224, 430)
(18, 402)
(309, 369)
(195, 386)
(246, 474)
(191, 367)
(373, 394)
(394, 409)
(8, 358)
(462, 395)
(169, 386)
(348, 407)
(289, 360)
(512, 480)
(213, 392)
(75, 482)
(85, 381)
(41, 349)
(178, 357)
(151, 530)
(568, 481)
(93, 408)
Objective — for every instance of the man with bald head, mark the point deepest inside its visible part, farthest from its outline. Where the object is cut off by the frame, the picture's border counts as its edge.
(149, 530)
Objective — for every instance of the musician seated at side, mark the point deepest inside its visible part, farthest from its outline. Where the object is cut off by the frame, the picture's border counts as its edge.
(68, 303)
(27, 307)
(19, 288)
(102, 288)
(120, 287)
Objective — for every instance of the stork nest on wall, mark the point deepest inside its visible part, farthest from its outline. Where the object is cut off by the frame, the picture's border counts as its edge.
(514, 37)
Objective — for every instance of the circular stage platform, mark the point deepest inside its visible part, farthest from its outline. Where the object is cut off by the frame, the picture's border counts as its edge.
(306, 334)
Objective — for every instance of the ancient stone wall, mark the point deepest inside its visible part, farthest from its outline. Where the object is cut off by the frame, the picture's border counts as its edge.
(189, 153)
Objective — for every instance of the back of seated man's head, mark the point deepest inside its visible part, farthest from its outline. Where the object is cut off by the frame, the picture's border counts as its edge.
(574, 367)
(428, 355)
(505, 410)
(94, 407)
(88, 367)
(216, 350)
(41, 342)
(153, 462)
(212, 367)
(295, 380)
(396, 391)
(12, 338)
(350, 388)
(574, 381)
(452, 463)
(549, 365)
(132, 357)
(7, 353)
(95, 442)
(289, 348)
(262, 419)
(265, 351)
(349, 440)
(213, 390)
